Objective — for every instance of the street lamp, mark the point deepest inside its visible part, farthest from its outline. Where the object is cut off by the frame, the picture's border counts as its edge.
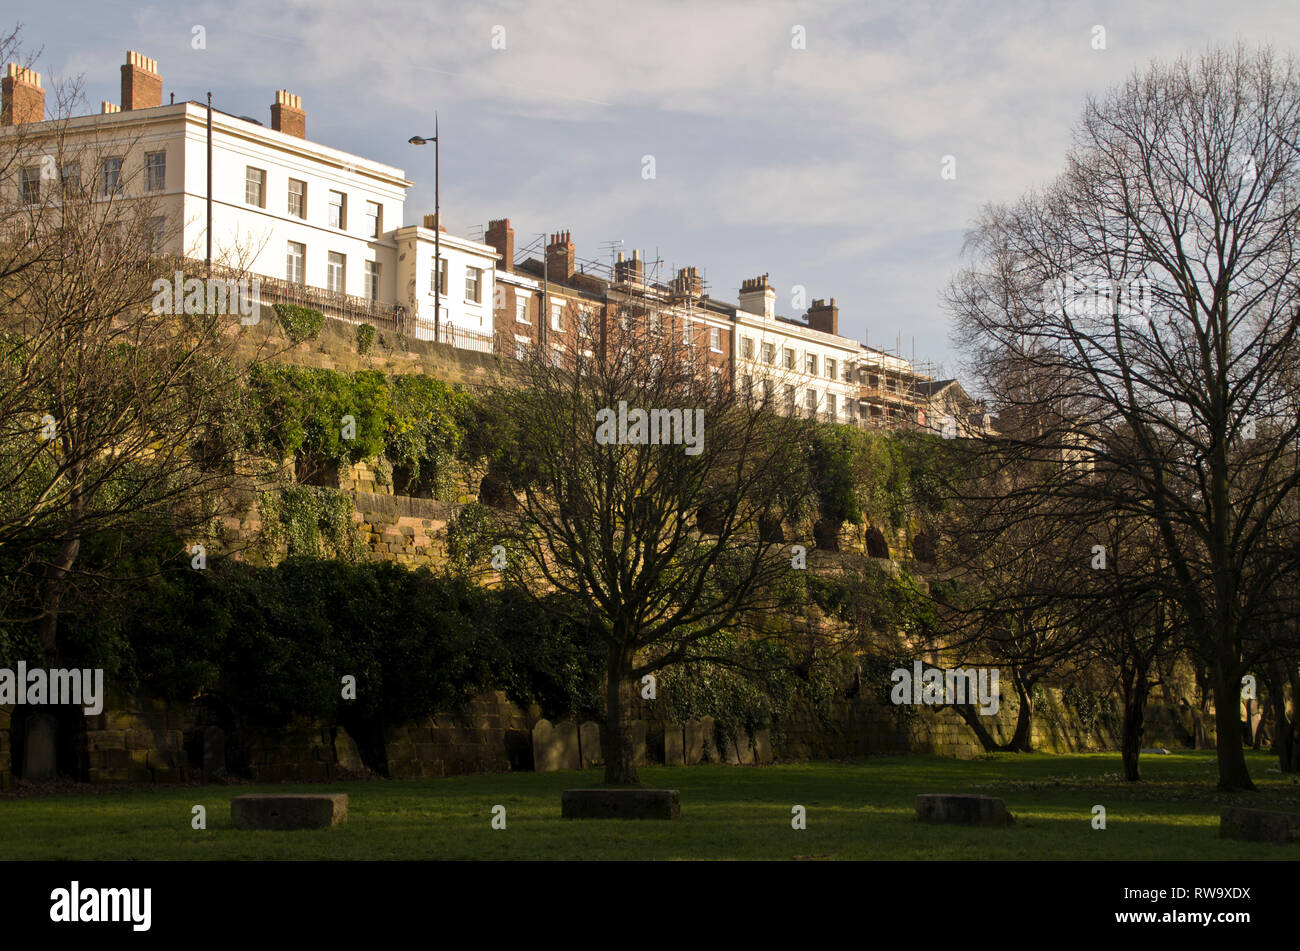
(437, 228)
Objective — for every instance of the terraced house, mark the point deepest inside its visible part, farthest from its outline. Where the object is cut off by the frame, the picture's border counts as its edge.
(318, 226)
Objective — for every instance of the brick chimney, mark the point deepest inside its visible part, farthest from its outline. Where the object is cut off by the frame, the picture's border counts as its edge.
(287, 115)
(824, 317)
(757, 296)
(627, 270)
(431, 221)
(502, 237)
(141, 84)
(560, 260)
(23, 99)
(688, 283)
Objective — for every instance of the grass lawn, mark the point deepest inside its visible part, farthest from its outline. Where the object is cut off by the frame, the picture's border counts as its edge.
(855, 810)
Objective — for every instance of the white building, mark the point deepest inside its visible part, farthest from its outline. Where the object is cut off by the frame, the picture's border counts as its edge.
(803, 368)
(323, 227)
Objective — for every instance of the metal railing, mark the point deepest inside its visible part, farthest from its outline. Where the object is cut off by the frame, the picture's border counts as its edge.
(335, 304)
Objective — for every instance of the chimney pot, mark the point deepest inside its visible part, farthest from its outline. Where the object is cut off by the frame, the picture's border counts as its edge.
(287, 115)
(141, 84)
(22, 99)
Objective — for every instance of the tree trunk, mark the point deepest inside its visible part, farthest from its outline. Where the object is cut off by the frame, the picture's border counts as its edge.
(1233, 774)
(1135, 700)
(1022, 741)
(616, 743)
(41, 743)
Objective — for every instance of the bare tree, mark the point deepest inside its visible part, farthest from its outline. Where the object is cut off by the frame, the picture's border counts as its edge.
(649, 494)
(1140, 314)
(118, 403)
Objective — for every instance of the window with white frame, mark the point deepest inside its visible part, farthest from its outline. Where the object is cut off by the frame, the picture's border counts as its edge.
(254, 185)
(297, 198)
(372, 279)
(789, 399)
(521, 308)
(811, 401)
(335, 268)
(715, 339)
(295, 265)
(374, 219)
(830, 405)
(155, 171)
(521, 347)
(112, 171)
(474, 285)
(156, 234)
(338, 210)
(441, 276)
(830, 369)
(811, 368)
(557, 316)
(688, 332)
(769, 353)
(789, 359)
(30, 186)
(747, 347)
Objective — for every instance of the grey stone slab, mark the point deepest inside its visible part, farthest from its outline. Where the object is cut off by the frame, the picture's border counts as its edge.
(614, 803)
(962, 809)
(283, 812)
(1259, 825)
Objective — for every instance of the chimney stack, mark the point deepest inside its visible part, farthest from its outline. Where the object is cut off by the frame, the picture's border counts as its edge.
(688, 283)
(431, 222)
(560, 260)
(502, 237)
(287, 115)
(757, 296)
(23, 99)
(824, 317)
(107, 108)
(141, 84)
(629, 271)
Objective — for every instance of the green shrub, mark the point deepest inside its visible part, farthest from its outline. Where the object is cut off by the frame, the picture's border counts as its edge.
(365, 338)
(300, 323)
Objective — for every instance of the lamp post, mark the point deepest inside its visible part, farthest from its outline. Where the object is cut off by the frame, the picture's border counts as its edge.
(437, 229)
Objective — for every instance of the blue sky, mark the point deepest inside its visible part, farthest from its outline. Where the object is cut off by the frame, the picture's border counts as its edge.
(819, 166)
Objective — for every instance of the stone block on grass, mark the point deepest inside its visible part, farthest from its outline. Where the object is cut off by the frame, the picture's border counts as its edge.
(614, 803)
(289, 811)
(963, 809)
(1259, 825)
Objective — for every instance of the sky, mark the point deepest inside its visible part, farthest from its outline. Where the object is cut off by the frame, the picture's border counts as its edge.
(804, 140)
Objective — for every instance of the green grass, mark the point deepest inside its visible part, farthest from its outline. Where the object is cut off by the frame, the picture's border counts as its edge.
(855, 810)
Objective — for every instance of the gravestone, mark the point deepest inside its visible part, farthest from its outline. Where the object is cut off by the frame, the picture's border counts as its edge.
(962, 809)
(763, 746)
(1259, 825)
(214, 752)
(555, 746)
(589, 745)
(636, 733)
(346, 753)
(674, 745)
(693, 742)
(284, 812)
(41, 751)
